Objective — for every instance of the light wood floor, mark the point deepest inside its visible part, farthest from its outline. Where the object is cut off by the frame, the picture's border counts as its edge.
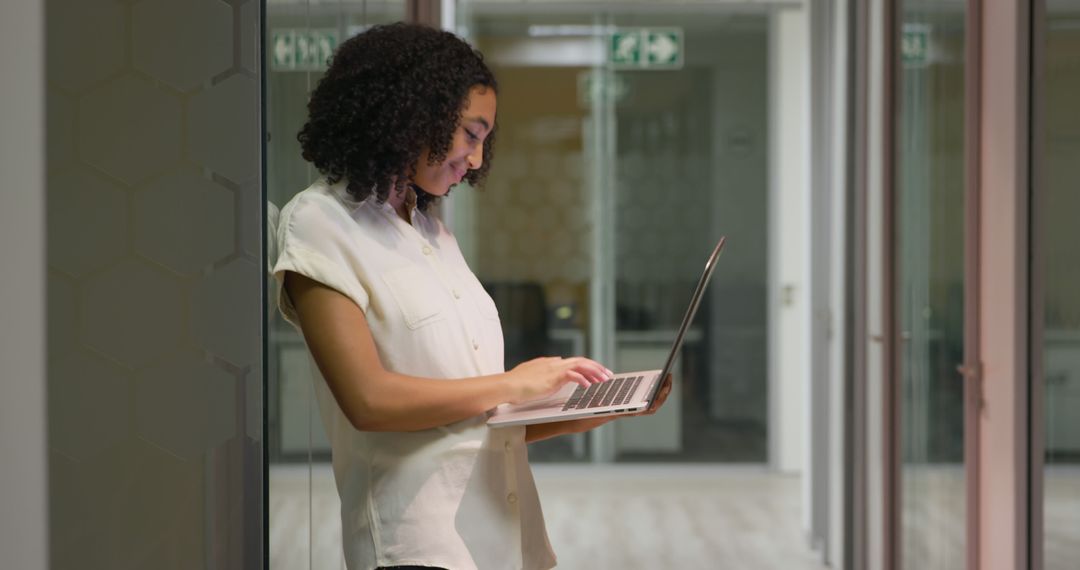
(934, 517)
(599, 517)
(684, 517)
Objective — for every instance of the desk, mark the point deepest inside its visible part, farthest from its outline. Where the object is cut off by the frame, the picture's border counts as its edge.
(647, 350)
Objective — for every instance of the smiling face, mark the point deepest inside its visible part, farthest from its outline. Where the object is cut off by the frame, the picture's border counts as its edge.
(466, 150)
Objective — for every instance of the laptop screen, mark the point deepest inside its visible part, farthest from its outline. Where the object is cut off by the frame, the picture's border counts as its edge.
(688, 318)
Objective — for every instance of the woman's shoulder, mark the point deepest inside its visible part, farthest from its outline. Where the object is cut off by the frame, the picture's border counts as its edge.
(320, 197)
(312, 215)
(323, 204)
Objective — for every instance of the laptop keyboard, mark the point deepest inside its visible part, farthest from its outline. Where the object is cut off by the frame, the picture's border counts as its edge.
(610, 393)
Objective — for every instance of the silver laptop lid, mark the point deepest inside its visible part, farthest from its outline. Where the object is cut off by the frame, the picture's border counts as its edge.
(688, 318)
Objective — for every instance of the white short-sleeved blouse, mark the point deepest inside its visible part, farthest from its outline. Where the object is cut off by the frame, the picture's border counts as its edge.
(459, 496)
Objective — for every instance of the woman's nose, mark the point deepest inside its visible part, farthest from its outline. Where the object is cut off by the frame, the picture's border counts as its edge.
(475, 160)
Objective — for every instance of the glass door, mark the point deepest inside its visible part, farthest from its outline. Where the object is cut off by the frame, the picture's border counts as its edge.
(641, 162)
(691, 162)
(629, 140)
(534, 233)
(1056, 289)
(929, 284)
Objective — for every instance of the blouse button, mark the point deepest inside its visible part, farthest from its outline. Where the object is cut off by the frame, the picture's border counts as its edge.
(507, 446)
(426, 250)
(511, 498)
(475, 345)
(457, 294)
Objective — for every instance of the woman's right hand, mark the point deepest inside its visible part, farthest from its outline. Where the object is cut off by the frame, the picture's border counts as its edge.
(544, 376)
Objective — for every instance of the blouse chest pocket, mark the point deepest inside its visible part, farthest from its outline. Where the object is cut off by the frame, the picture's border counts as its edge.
(420, 300)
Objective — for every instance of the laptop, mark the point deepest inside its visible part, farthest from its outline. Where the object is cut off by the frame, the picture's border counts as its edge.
(625, 393)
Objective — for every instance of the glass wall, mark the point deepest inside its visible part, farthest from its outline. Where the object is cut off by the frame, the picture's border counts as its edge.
(612, 181)
(691, 158)
(929, 283)
(611, 185)
(304, 509)
(1058, 282)
(528, 233)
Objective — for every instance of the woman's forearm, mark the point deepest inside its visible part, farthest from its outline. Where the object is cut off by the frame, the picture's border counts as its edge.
(396, 402)
(376, 399)
(371, 397)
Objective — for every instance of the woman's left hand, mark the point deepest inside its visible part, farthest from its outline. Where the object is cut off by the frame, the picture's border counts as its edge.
(543, 431)
(661, 397)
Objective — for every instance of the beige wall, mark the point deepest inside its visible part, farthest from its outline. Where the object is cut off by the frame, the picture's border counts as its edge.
(153, 284)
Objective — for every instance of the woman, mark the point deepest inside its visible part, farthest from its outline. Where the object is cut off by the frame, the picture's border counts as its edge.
(407, 342)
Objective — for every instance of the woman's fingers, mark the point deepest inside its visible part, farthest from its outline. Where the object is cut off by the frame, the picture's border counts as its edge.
(575, 377)
(591, 369)
(582, 376)
(556, 371)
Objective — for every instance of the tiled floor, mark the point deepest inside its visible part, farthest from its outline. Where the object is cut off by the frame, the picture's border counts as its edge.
(599, 517)
(934, 511)
(627, 517)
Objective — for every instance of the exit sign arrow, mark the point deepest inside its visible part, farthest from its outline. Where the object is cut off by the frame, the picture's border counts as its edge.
(646, 48)
(662, 48)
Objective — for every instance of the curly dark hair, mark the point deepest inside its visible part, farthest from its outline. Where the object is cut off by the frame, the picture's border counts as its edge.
(390, 92)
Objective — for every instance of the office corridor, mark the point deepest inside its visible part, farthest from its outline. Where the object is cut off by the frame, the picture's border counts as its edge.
(599, 518)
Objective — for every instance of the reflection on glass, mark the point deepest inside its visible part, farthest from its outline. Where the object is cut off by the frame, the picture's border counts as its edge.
(528, 231)
(304, 509)
(929, 283)
(691, 152)
(658, 163)
(1058, 234)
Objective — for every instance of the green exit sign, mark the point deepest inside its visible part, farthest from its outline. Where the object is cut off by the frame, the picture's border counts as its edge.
(302, 49)
(915, 45)
(646, 48)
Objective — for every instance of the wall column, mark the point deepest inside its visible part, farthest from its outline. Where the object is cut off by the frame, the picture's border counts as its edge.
(1004, 174)
(789, 238)
(23, 479)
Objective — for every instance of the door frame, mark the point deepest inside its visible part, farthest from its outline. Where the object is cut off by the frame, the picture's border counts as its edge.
(1003, 446)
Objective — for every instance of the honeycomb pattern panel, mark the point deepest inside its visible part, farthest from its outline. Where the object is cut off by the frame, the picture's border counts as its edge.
(72, 500)
(253, 391)
(513, 163)
(134, 313)
(129, 82)
(93, 213)
(536, 203)
(97, 392)
(185, 405)
(94, 42)
(249, 36)
(182, 43)
(231, 290)
(662, 222)
(184, 221)
(60, 130)
(229, 152)
(62, 308)
(545, 164)
(250, 217)
(134, 506)
(130, 128)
